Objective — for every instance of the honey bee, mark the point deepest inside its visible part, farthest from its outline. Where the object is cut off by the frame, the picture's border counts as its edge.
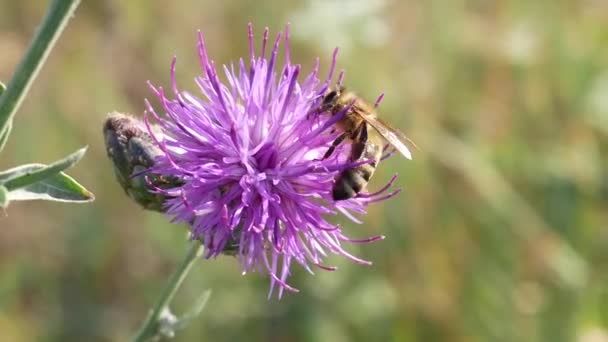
(367, 144)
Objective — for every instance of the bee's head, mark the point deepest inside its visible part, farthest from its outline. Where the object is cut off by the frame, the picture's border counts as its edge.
(330, 100)
(330, 97)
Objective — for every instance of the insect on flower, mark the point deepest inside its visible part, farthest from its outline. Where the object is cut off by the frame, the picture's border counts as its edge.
(366, 132)
(248, 155)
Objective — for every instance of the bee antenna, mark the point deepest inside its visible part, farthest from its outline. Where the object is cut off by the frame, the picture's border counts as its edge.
(378, 100)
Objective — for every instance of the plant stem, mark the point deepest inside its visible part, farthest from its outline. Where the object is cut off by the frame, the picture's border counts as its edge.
(150, 327)
(53, 24)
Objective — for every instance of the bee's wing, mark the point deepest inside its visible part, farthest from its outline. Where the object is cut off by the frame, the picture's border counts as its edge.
(395, 137)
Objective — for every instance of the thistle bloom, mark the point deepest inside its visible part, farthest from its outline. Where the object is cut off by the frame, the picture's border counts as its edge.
(248, 152)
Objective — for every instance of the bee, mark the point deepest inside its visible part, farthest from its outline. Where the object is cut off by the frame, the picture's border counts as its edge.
(367, 144)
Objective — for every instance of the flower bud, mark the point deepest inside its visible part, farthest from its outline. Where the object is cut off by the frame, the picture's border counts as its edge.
(133, 151)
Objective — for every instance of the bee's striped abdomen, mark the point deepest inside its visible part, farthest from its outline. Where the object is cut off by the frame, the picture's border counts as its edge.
(352, 181)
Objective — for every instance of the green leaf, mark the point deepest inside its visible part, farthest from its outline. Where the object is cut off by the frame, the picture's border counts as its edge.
(22, 176)
(19, 170)
(2, 88)
(194, 311)
(4, 134)
(3, 197)
(59, 188)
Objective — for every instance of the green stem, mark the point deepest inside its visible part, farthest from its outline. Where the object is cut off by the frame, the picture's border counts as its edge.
(150, 327)
(54, 22)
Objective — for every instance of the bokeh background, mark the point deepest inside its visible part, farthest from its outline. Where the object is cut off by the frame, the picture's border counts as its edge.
(501, 233)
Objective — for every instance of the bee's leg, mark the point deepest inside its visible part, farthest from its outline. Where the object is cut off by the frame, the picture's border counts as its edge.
(360, 138)
(363, 133)
(333, 146)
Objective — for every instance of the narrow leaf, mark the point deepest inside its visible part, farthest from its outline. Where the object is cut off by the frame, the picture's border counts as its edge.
(59, 188)
(194, 311)
(18, 171)
(2, 88)
(3, 197)
(27, 177)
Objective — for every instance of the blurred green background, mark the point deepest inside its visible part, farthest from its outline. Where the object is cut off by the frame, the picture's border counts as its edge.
(501, 233)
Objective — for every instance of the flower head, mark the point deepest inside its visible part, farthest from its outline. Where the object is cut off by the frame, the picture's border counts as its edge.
(249, 152)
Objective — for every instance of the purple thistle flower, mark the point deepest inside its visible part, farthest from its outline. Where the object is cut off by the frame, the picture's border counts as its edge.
(248, 153)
